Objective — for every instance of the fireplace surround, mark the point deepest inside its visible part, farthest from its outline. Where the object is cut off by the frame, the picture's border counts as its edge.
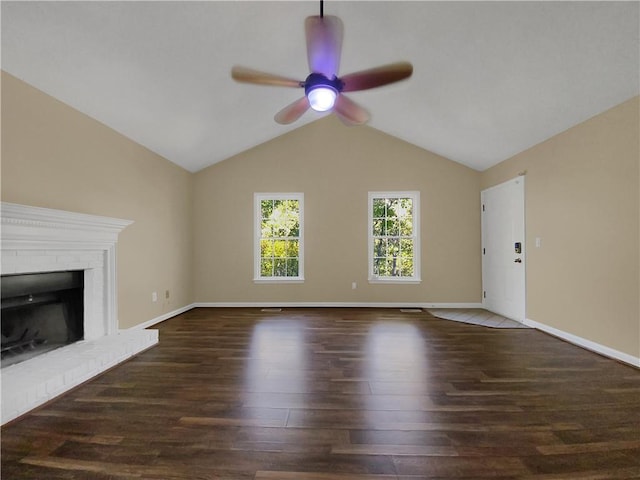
(36, 240)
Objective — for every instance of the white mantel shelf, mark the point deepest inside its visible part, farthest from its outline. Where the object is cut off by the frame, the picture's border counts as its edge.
(36, 239)
(24, 226)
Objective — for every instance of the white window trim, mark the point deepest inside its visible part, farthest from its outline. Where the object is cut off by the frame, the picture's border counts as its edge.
(257, 222)
(415, 196)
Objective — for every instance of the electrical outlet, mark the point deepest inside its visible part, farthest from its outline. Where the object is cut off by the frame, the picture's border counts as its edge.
(154, 296)
(166, 294)
(354, 285)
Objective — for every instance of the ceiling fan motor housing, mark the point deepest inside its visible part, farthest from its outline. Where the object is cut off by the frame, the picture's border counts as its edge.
(316, 80)
(322, 91)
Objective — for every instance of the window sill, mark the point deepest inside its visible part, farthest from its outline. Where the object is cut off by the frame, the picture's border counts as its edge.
(397, 281)
(279, 280)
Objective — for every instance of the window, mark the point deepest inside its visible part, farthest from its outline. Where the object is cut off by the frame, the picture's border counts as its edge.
(279, 237)
(394, 237)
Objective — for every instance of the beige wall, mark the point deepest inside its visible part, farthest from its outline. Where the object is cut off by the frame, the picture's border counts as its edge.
(335, 167)
(582, 201)
(55, 157)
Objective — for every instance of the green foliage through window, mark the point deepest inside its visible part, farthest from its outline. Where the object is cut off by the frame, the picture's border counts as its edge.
(279, 238)
(393, 237)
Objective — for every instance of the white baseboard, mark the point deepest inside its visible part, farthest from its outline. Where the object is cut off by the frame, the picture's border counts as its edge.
(584, 343)
(336, 305)
(453, 305)
(162, 318)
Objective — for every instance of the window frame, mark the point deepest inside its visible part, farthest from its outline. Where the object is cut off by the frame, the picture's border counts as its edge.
(415, 197)
(257, 217)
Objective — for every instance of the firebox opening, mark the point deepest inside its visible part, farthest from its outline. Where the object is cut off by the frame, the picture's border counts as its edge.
(40, 312)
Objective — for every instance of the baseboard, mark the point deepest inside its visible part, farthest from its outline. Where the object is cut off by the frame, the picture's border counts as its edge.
(453, 305)
(163, 317)
(335, 305)
(584, 343)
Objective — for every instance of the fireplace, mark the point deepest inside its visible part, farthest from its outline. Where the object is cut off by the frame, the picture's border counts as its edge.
(40, 247)
(40, 312)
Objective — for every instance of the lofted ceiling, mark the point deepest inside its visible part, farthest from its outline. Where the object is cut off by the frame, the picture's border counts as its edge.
(491, 79)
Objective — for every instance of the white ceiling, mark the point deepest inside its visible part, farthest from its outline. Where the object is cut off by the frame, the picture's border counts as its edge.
(490, 78)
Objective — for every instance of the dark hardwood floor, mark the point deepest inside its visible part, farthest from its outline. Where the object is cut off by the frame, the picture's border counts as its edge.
(339, 394)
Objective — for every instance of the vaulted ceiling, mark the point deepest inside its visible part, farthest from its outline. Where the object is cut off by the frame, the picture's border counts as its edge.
(490, 78)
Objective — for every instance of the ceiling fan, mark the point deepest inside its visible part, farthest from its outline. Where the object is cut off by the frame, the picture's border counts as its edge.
(323, 89)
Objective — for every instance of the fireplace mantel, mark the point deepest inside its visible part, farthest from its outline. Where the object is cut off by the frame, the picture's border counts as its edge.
(32, 227)
(36, 239)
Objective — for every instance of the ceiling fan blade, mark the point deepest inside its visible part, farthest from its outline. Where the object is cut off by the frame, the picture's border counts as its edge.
(350, 112)
(249, 75)
(292, 112)
(324, 42)
(376, 77)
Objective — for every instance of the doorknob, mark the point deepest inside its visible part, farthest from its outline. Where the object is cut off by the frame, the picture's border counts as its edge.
(518, 260)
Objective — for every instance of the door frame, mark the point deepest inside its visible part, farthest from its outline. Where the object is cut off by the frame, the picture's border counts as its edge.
(520, 179)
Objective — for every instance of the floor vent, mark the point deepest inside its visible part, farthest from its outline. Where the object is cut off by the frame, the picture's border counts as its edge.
(271, 310)
(411, 310)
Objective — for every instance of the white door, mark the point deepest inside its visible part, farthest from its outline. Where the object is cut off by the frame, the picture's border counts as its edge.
(503, 249)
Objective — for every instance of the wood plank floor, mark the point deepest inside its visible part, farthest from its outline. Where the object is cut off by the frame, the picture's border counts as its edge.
(339, 394)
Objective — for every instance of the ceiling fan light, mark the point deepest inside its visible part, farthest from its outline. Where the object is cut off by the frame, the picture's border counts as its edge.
(322, 98)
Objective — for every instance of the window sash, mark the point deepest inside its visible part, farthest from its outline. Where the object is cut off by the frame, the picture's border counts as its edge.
(281, 251)
(389, 236)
